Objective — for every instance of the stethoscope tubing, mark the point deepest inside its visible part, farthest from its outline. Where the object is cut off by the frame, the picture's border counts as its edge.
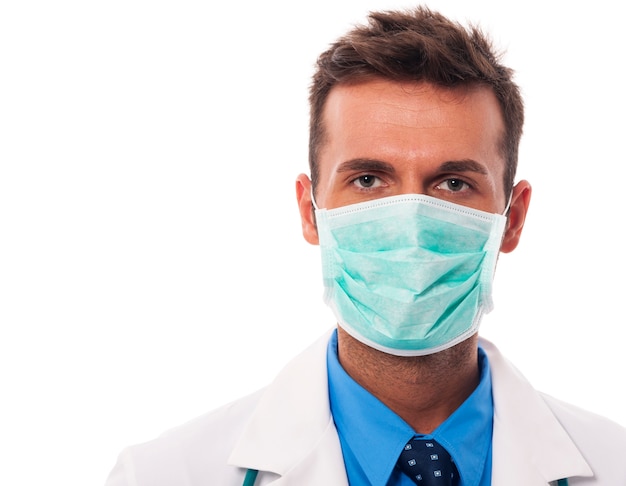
(251, 477)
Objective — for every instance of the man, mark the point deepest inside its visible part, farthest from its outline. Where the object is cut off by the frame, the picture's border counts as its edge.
(415, 127)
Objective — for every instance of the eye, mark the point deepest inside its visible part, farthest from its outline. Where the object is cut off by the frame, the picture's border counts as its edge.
(367, 181)
(454, 185)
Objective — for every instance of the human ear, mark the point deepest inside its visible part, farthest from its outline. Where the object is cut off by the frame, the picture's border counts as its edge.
(520, 200)
(305, 205)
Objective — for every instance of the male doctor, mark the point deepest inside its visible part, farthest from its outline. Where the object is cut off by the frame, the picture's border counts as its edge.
(415, 127)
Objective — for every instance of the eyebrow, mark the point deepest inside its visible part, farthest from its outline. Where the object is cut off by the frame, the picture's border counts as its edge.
(365, 165)
(465, 165)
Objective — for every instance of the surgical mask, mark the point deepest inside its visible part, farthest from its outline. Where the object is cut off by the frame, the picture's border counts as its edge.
(409, 275)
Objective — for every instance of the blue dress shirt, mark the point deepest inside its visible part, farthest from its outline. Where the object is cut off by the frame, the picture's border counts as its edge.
(372, 436)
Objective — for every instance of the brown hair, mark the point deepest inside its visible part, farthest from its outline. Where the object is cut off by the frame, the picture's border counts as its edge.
(417, 45)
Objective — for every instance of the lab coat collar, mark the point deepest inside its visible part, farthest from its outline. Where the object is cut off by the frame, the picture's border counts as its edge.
(529, 443)
(291, 432)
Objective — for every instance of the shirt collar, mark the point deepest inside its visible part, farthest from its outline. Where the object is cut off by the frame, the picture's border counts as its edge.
(376, 435)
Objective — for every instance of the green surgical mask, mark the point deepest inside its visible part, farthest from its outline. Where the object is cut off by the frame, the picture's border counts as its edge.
(409, 275)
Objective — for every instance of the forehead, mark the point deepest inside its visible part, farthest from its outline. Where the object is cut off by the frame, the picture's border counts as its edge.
(381, 104)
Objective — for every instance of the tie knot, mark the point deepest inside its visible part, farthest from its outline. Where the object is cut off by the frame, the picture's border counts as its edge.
(427, 463)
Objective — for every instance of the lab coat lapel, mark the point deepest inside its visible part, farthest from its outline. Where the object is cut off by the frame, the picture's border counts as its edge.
(530, 447)
(291, 432)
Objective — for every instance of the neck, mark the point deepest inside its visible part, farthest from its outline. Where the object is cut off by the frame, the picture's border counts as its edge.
(423, 390)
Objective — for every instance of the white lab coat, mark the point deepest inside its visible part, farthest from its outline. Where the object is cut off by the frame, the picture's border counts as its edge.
(286, 431)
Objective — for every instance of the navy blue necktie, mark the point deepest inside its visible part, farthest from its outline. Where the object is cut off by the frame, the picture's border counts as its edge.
(427, 463)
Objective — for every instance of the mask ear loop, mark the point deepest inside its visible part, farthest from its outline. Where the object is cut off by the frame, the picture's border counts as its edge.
(508, 205)
(313, 200)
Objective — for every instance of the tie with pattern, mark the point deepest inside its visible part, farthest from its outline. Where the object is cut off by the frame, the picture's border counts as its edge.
(427, 463)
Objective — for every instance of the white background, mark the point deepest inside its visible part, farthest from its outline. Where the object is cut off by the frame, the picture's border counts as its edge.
(151, 261)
